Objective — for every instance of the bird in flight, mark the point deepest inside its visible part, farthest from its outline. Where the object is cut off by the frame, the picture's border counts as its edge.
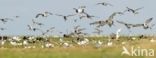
(78, 30)
(65, 17)
(108, 21)
(80, 10)
(44, 14)
(134, 11)
(145, 25)
(99, 23)
(87, 16)
(104, 4)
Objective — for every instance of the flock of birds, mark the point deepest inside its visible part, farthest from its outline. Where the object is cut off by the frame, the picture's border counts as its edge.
(77, 33)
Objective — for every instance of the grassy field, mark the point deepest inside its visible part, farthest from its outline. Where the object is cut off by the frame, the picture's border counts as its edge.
(79, 52)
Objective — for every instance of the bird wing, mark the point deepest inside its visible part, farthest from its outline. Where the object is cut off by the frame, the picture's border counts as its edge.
(96, 22)
(126, 24)
(98, 3)
(8, 19)
(81, 29)
(112, 16)
(98, 30)
(40, 14)
(109, 4)
(125, 11)
(59, 15)
(101, 24)
(137, 25)
(76, 27)
(121, 22)
(37, 28)
(50, 13)
(52, 28)
(38, 23)
(127, 8)
(71, 15)
(148, 20)
(139, 8)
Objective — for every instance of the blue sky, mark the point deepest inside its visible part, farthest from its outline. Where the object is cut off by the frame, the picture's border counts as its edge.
(27, 9)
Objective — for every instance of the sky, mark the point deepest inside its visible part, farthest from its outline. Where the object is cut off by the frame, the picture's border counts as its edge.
(27, 10)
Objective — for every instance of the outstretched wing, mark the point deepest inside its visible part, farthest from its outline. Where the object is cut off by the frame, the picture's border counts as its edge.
(126, 24)
(98, 3)
(96, 22)
(40, 14)
(51, 28)
(49, 13)
(8, 19)
(79, 30)
(76, 27)
(112, 15)
(121, 22)
(59, 15)
(71, 15)
(148, 20)
(127, 8)
(139, 8)
(137, 25)
(109, 4)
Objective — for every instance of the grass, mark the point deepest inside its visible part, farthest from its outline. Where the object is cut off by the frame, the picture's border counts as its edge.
(78, 52)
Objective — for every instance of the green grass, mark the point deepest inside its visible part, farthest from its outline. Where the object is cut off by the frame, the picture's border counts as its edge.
(77, 52)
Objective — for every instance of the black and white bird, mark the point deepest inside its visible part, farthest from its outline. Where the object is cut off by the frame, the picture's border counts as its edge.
(134, 11)
(65, 17)
(80, 10)
(44, 14)
(88, 16)
(108, 21)
(104, 4)
(78, 30)
(145, 25)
